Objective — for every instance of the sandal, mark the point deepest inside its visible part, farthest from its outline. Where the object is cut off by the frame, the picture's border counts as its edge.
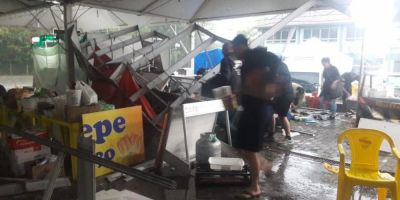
(247, 195)
(269, 174)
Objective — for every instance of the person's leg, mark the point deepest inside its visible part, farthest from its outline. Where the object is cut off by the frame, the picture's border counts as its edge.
(344, 101)
(286, 126)
(254, 168)
(270, 124)
(273, 124)
(322, 103)
(333, 107)
(265, 165)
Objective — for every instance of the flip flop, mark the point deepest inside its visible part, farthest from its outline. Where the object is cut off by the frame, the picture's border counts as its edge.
(269, 173)
(247, 195)
(331, 168)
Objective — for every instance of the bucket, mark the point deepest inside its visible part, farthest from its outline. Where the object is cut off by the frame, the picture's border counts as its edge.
(222, 92)
(74, 97)
(225, 93)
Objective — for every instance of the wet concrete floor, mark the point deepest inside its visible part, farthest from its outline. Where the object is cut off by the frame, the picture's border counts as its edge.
(299, 174)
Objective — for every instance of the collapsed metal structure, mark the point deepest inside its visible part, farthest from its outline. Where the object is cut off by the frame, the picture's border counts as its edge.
(143, 56)
(151, 45)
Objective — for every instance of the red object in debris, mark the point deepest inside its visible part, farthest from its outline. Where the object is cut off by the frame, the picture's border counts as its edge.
(118, 94)
(16, 142)
(362, 101)
(312, 101)
(314, 94)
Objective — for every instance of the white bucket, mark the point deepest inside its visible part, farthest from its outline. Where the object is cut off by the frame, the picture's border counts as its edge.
(74, 97)
(222, 92)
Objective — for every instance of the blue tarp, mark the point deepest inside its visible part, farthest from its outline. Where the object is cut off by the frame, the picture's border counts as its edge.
(202, 60)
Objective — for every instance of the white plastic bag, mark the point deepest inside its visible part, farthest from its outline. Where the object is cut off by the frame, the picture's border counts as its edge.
(89, 96)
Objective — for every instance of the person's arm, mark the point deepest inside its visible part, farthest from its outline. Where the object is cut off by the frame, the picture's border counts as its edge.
(226, 69)
(325, 80)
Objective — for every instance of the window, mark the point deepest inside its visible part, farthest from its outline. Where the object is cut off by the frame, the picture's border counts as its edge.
(282, 36)
(353, 33)
(324, 33)
(315, 33)
(307, 34)
(396, 66)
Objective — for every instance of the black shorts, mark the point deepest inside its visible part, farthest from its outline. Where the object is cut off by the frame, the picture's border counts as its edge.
(282, 106)
(257, 114)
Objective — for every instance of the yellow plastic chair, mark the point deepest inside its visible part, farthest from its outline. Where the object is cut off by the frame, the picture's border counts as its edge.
(364, 168)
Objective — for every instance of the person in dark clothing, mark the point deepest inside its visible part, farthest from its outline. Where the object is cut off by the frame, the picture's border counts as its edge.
(348, 78)
(3, 93)
(227, 70)
(227, 63)
(201, 72)
(329, 76)
(226, 76)
(240, 46)
(258, 74)
(284, 100)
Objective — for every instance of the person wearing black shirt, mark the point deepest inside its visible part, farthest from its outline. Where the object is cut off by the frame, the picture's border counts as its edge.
(227, 70)
(258, 75)
(329, 75)
(284, 100)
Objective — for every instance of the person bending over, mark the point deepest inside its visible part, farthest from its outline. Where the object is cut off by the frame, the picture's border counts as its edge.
(258, 74)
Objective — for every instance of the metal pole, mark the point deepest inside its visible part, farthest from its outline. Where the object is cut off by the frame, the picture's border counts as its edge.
(155, 179)
(228, 127)
(69, 51)
(170, 70)
(53, 176)
(360, 80)
(278, 26)
(185, 136)
(180, 41)
(86, 171)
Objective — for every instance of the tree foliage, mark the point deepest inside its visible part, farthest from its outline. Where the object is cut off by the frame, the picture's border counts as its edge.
(15, 50)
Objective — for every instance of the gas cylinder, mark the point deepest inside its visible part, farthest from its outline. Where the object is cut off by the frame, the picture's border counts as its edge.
(207, 146)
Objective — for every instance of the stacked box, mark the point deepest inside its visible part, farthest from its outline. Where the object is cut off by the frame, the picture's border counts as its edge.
(23, 151)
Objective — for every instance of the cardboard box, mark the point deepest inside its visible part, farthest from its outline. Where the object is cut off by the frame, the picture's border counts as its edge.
(23, 152)
(40, 171)
(74, 113)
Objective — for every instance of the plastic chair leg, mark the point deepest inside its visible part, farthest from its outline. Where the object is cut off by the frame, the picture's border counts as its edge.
(395, 193)
(344, 191)
(382, 193)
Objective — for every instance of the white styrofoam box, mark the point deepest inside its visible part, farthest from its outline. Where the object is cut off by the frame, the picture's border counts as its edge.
(221, 163)
(119, 195)
(29, 154)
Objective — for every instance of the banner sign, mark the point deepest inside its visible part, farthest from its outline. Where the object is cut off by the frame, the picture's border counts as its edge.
(118, 136)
